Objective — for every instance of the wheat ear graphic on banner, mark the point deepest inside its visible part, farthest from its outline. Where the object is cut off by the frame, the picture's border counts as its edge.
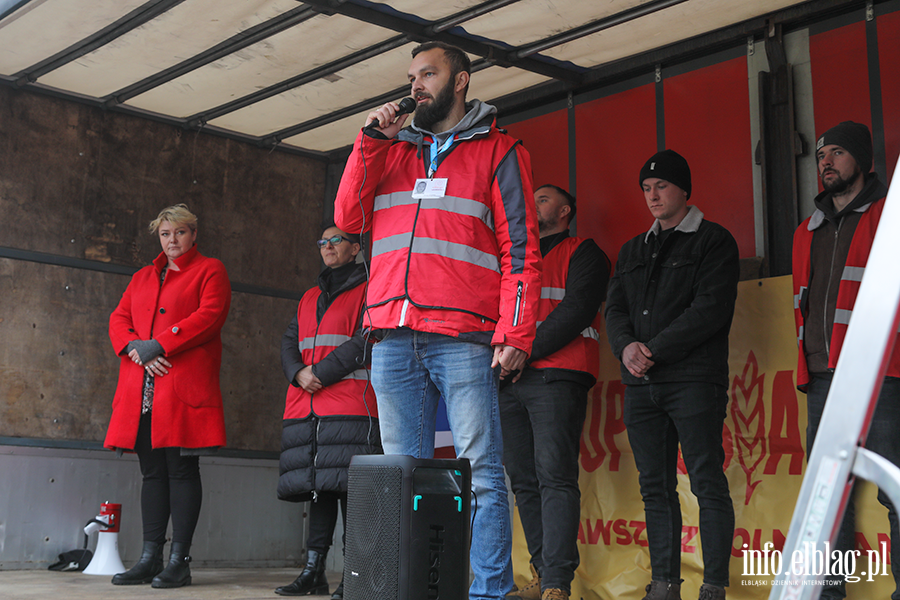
(749, 415)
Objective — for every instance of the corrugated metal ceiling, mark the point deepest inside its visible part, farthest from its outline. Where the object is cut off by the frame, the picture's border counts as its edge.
(302, 75)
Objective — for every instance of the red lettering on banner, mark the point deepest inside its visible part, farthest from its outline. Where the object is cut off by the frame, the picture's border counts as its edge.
(624, 536)
(727, 444)
(608, 401)
(742, 538)
(785, 416)
(861, 542)
(778, 539)
(748, 413)
(594, 531)
(591, 461)
(615, 421)
(629, 533)
(639, 527)
(688, 532)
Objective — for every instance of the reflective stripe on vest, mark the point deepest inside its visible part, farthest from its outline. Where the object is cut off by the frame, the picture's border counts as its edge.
(423, 245)
(359, 375)
(323, 340)
(842, 316)
(583, 352)
(333, 341)
(588, 332)
(853, 273)
(552, 293)
(316, 339)
(451, 204)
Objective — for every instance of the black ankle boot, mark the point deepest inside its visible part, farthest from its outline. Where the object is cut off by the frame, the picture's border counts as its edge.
(148, 567)
(311, 581)
(178, 572)
(339, 592)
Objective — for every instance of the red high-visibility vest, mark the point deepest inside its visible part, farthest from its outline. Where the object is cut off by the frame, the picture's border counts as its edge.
(353, 395)
(582, 353)
(851, 277)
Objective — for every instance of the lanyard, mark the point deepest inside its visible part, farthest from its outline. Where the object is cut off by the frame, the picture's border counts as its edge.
(435, 152)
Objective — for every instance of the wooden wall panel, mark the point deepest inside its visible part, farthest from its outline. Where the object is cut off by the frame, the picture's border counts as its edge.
(58, 371)
(85, 183)
(77, 182)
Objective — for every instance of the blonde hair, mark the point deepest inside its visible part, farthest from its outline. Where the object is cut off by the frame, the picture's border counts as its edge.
(177, 215)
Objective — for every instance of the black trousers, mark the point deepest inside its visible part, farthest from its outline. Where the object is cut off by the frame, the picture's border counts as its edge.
(323, 514)
(659, 417)
(542, 425)
(171, 487)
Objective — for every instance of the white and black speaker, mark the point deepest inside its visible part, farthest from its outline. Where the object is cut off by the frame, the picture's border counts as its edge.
(407, 529)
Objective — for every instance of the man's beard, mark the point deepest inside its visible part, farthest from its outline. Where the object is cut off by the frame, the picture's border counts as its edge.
(547, 225)
(839, 185)
(429, 115)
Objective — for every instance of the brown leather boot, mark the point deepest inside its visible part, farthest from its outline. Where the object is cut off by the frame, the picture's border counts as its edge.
(532, 591)
(663, 590)
(555, 594)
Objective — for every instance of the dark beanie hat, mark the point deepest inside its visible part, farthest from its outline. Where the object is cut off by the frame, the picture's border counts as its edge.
(855, 138)
(668, 165)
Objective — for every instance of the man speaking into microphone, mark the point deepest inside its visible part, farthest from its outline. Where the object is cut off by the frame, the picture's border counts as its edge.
(455, 280)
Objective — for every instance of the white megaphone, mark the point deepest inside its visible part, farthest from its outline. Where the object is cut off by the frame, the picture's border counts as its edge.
(106, 559)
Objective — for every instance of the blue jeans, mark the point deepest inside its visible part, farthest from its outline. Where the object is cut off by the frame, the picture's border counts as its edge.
(658, 417)
(411, 370)
(542, 425)
(883, 439)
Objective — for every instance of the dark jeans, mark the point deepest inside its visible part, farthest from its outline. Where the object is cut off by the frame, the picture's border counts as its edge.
(323, 513)
(658, 416)
(542, 425)
(883, 439)
(171, 486)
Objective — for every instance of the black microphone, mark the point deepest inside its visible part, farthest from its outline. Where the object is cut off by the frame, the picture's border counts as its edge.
(407, 105)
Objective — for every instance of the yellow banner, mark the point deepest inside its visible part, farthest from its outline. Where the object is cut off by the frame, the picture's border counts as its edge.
(764, 438)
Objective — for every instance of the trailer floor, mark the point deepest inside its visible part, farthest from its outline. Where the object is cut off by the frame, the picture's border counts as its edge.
(207, 584)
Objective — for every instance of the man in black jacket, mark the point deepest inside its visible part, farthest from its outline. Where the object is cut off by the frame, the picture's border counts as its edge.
(542, 411)
(668, 314)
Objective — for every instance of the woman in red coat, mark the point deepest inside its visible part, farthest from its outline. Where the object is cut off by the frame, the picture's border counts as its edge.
(168, 404)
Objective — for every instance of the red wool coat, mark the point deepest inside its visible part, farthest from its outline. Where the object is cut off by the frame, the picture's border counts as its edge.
(185, 315)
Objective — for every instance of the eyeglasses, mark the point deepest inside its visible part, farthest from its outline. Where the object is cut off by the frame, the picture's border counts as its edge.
(335, 240)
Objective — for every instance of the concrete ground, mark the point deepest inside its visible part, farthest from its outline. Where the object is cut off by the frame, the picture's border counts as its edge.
(207, 584)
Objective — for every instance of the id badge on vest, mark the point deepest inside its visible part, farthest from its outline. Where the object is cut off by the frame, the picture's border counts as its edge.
(428, 189)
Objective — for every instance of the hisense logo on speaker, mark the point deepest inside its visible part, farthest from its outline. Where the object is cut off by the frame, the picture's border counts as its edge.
(435, 550)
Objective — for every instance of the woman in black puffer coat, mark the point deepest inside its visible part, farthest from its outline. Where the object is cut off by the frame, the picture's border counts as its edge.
(330, 411)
